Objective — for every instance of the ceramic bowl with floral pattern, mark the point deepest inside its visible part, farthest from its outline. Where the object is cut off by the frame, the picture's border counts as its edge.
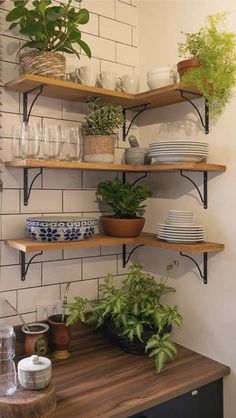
(52, 229)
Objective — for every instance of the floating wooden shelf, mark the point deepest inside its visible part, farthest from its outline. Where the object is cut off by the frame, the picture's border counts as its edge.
(152, 168)
(150, 240)
(68, 90)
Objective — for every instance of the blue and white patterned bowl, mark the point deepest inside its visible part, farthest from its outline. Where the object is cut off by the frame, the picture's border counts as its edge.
(52, 229)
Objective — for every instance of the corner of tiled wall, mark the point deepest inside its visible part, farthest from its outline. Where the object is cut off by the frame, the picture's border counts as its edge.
(112, 36)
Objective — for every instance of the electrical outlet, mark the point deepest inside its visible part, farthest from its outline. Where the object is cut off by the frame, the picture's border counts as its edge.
(45, 310)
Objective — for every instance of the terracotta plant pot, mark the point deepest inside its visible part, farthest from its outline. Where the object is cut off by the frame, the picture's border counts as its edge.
(122, 227)
(98, 148)
(60, 336)
(36, 341)
(186, 65)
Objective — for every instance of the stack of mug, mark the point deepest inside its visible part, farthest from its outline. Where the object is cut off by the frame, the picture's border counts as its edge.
(128, 83)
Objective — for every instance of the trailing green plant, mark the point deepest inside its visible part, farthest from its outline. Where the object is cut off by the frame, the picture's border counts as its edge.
(49, 27)
(124, 199)
(215, 48)
(102, 119)
(133, 309)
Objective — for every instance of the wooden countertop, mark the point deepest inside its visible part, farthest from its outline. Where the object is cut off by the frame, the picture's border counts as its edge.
(101, 381)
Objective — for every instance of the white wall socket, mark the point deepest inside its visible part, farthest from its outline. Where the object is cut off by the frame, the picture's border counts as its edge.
(44, 310)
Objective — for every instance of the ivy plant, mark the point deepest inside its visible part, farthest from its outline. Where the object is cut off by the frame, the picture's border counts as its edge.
(102, 119)
(124, 199)
(215, 48)
(49, 27)
(133, 309)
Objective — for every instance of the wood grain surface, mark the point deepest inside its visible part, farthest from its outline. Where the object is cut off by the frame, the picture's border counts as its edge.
(101, 381)
(28, 403)
(145, 238)
(151, 168)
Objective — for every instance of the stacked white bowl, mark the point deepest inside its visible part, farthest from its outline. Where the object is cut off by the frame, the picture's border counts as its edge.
(160, 77)
(175, 150)
(180, 227)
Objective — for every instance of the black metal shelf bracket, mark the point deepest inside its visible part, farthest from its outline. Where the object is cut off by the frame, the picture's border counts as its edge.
(26, 112)
(203, 273)
(205, 122)
(27, 188)
(204, 196)
(124, 252)
(124, 180)
(24, 267)
(139, 109)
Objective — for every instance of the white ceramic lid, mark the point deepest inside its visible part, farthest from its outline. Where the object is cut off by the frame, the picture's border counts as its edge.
(34, 364)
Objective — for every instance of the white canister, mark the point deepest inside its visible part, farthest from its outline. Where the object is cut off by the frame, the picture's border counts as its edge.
(34, 372)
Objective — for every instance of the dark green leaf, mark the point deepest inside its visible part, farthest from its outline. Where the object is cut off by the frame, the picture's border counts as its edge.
(75, 36)
(85, 48)
(34, 44)
(82, 17)
(15, 14)
(35, 29)
(13, 25)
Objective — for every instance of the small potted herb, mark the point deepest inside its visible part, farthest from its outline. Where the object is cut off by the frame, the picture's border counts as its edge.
(211, 63)
(126, 201)
(133, 317)
(98, 131)
(51, 29)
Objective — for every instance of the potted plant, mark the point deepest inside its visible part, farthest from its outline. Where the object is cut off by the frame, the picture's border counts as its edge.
(133, 317)
(98, 131)
(126, 203)
(51, 29)
(212, 64)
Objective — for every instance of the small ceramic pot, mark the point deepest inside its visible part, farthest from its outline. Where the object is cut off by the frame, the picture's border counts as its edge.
(34, 372)
(60, 336)
(122, 227)
(36, 341)
(186, 65)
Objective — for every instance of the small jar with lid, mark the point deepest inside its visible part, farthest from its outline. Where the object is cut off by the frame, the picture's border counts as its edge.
(34, 372)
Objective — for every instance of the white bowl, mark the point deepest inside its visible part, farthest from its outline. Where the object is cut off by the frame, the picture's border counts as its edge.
(159, 70)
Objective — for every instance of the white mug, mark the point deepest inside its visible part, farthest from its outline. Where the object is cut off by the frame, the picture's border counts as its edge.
(86, 75)
(107, 80)
(128, 83)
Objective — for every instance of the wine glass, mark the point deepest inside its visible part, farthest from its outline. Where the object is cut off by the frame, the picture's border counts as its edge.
(52, 142)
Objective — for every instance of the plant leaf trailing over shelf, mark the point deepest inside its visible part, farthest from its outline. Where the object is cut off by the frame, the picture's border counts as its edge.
(50, 28)
(215, 48)
(134, 309)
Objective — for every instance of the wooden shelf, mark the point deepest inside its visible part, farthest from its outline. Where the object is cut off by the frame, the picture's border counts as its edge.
(152, 168)
(150, 240)
(79, 92)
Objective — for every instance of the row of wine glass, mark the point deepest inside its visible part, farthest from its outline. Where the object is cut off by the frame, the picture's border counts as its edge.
(52, 142)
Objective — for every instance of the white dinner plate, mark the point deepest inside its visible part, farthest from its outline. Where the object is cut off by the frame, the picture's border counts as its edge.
(182, 240)
(177, 159)
(196, 226)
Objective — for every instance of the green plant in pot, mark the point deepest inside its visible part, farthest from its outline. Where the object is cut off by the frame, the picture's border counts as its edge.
(126, 201)
(99, 130)
(211, 63)
(51, 29)
(133, 317)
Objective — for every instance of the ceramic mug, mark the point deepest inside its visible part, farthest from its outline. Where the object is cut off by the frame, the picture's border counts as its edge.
(107, 80)
(86, 75)
(128, 83)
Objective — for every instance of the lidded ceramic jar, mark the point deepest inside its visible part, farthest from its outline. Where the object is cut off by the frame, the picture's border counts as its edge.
(34, 372)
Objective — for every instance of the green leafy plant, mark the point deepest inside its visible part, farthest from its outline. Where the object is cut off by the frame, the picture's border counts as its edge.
(124, 199)
(49, 28)
(215, 48)
(134, 309)
(103, 119)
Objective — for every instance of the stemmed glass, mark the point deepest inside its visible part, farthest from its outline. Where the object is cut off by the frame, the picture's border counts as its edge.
(52, 142)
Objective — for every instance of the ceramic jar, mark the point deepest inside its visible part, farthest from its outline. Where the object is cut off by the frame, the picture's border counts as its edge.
(34, 372)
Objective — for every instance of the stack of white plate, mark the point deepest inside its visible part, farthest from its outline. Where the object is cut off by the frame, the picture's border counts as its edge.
(180, 217)
(174, 150)
(180, 228)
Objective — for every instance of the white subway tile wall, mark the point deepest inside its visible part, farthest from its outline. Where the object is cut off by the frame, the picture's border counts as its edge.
(112, 36)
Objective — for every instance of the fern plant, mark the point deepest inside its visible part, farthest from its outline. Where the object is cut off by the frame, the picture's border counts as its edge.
(134, 309)
(124, 199)
(215, 48)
